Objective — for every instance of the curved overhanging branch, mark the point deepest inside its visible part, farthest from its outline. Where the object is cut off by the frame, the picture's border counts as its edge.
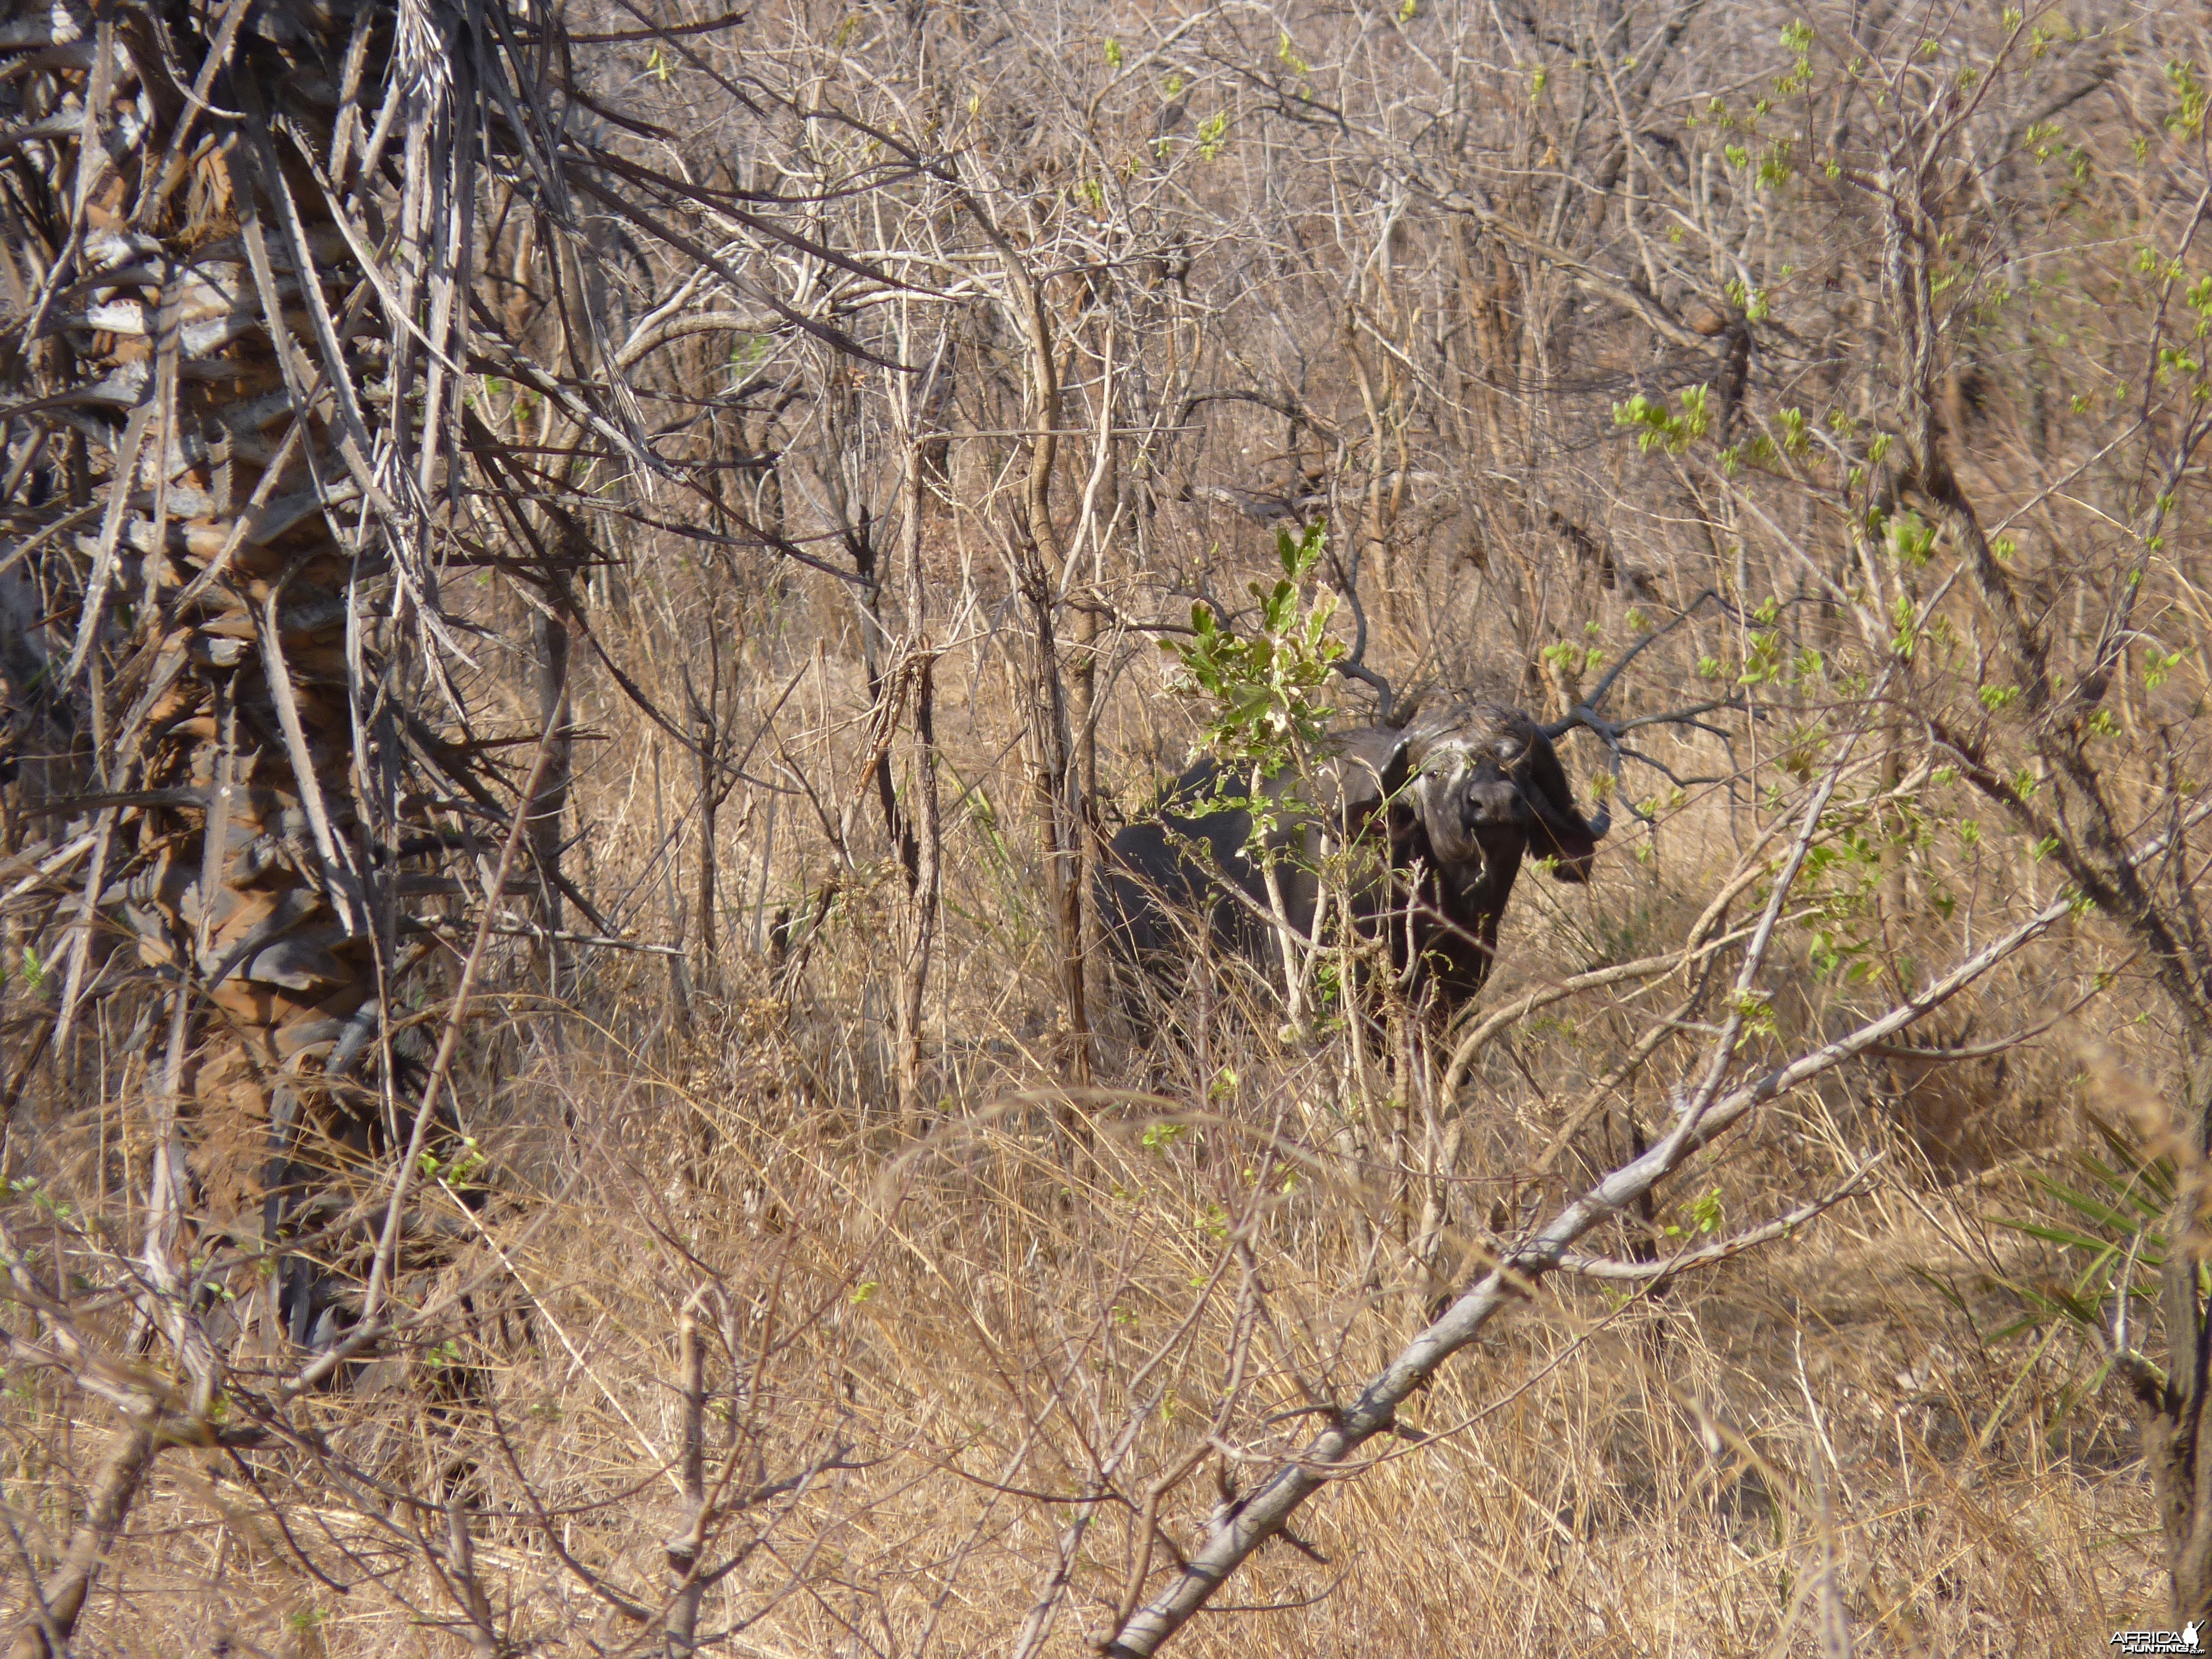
(1706, 1255)
(1234, 1537)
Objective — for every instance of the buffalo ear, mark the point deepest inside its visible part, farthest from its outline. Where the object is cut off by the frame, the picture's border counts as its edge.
(1367, 769)
(1560, 831)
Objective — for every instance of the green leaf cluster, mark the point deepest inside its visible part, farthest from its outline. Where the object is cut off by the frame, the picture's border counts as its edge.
(1261, 694)
(1659, 427)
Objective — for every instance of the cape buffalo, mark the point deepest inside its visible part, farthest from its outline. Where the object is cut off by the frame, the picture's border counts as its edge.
(1434, 821)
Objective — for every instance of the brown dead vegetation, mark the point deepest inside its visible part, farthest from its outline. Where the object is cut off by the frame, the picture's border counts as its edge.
(800, 1253)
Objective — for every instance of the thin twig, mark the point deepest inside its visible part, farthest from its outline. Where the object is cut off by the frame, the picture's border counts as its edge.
(387, 1248)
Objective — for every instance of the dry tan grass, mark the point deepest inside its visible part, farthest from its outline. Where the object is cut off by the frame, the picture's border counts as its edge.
(928, 1338)
(960, 1349)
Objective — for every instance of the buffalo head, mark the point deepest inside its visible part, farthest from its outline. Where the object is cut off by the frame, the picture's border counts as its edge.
(1462, 795)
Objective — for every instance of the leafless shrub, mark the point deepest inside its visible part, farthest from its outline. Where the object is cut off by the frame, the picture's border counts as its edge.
(763, 1228)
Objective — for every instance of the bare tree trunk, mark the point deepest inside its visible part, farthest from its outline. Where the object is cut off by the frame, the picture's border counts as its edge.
(549, 638)
(767, 875)
(678, 979)
(2176, 1449)
(2081, 828)
(1083, 720)
(1064, 802)
(717, 777)
(685, 1587)
(710, 812)
(1043, 562)
(51, 1617)
(927, 835)
(925, 898)
(1059, 815)
(466, 1586)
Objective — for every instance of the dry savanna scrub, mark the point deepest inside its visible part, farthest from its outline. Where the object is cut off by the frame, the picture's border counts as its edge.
(584, 597)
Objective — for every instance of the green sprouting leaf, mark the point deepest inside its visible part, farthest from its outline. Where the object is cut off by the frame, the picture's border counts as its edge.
(1756, 1011)
(2138, 1198)
(1659, 427)
(1262, 693)
(2157, 664)
(2108, 1228)
(1706, 1212)
(2187, 117)
(1909, 539)
(2096, 1210)
(2069, 1236)
(1904, 618)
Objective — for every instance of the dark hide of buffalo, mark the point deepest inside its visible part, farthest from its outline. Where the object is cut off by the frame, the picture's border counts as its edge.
(1434, 820)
